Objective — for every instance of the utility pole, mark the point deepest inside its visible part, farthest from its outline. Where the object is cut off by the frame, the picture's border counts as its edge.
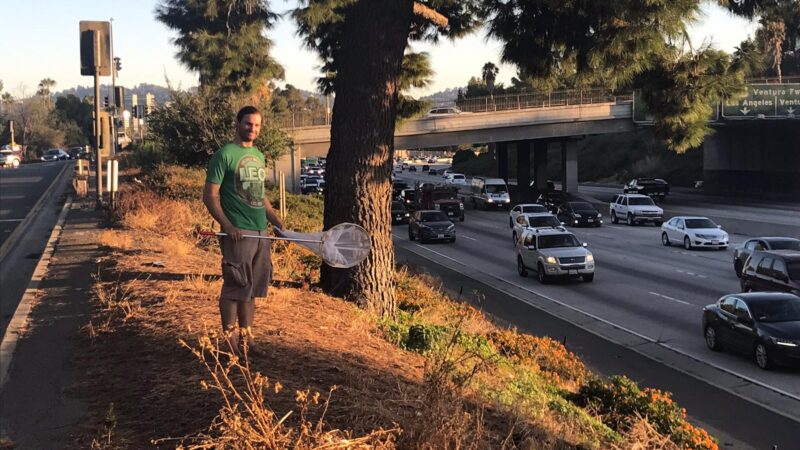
(113, 146)
(97, 124)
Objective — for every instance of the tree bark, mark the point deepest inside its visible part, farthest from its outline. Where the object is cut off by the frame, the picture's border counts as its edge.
(359, 164)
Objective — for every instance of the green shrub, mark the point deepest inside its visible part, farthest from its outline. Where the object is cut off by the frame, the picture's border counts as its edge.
(620, 400)
(423, 338)
(463, 156)
(147, 155)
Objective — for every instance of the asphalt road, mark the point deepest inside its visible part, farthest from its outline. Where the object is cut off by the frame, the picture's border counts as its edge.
(20, 189)
(640, 286)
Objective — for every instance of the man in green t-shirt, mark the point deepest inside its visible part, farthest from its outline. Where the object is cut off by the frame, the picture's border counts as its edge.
(236, 197)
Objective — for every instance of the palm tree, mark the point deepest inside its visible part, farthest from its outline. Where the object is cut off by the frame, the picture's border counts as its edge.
(44, 91)
(774, 33)
(489, 75)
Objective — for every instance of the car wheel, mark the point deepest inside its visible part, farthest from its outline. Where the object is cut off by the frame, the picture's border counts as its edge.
(514, 237)
(461, 219)
(521, 267)
(629, 218)
(541, 275)
(665, 239)
(15, 163)
(510, 223)
(712, 341)
(687, 244)
(737, 267)
(410, 234)
(588, 278)
(452, 240)
(614, 218)
(762, 357)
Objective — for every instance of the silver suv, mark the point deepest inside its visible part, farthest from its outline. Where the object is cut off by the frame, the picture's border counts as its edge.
(553, 253)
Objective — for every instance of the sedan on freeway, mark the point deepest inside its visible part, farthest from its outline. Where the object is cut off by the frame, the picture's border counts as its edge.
(762, 243)
(55, 154)
(693, 232)
(524, 208)
(579, 213)
(431, 225)
(765, 325)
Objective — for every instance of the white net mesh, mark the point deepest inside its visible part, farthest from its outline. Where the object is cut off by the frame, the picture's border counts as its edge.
(343, 246)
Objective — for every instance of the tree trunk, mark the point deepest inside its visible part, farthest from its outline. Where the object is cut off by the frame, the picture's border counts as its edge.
(358, 169)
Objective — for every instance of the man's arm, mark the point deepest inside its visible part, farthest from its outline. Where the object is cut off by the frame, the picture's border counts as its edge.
(212, 202)
(272, 216)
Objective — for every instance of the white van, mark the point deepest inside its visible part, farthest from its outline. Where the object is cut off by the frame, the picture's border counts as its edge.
(489, 193)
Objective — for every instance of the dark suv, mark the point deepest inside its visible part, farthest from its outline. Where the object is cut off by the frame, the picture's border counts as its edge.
(776, 270)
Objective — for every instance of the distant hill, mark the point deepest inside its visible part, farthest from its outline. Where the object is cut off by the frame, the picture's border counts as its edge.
(446, 96)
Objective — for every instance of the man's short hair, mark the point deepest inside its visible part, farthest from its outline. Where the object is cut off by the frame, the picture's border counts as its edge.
(246, 111)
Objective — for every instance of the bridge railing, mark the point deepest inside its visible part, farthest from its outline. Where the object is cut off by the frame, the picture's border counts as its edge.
(529, 100)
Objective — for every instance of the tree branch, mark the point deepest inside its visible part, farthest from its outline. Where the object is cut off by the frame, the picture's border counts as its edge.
(430, 14)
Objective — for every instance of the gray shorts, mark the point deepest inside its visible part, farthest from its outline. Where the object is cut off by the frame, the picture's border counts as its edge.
(246, 267)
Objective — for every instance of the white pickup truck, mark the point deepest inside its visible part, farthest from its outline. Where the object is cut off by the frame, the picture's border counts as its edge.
(635, 208)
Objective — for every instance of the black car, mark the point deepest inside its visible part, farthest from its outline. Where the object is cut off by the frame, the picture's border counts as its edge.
(552, 200)
(762, 243)
(399, 213)
(412, 168)
(775, 270)
(579, 213)
(397, 187)
(765, 325)
(426, 168)
(431, 225)
(409, 199)
(654, 187)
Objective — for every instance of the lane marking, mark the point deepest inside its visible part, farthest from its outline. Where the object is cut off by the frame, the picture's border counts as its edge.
(697, 359)
(691, 274)
(467, 237)
(670, 298)
(12, 220)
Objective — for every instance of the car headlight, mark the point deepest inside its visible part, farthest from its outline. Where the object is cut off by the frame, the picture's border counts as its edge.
(782, 342)
(551, 260)
(508, 200)
(436, 206)
(451, 228)
(578, 216)
(488, 200)
(461, 206)
(407, 214)
(589, 258)
(599, 215)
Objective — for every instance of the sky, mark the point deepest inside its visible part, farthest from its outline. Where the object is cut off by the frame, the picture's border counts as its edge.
(41, 40)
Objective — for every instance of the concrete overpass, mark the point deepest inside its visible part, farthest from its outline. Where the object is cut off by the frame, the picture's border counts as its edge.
(757, 144)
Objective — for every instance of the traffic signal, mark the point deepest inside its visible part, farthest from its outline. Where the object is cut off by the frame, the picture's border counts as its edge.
(105, 102)
(118, 64)
(119, 97)
(135, 111)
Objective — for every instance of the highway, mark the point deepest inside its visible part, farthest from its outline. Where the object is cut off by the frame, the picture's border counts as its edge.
(21, 190)
(642, 289)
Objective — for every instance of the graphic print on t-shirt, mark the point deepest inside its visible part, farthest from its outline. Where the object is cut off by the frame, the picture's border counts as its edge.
(250, 177)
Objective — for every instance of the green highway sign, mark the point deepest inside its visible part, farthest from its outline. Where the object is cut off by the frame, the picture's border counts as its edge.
(765, 101)
(642, 115)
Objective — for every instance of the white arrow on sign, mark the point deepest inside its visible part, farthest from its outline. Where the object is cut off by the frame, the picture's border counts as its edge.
(791, 110)
(744, 110)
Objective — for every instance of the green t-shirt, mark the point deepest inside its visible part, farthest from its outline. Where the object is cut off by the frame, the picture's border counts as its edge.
(241, 173)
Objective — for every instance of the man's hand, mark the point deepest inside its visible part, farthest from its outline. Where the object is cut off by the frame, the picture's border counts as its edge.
(233, 232)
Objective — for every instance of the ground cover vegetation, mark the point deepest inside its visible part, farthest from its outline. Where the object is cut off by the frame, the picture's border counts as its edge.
(323, 373)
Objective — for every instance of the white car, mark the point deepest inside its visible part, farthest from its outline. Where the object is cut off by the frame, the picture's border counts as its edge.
(553, 253)
(443, 112)
(534, 220)
(524, 208)
(456, 178)
(693, 231)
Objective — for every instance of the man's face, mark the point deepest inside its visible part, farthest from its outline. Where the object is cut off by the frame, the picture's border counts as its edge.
(249, 127)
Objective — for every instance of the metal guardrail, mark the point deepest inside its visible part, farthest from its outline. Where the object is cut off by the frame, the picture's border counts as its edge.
(510, 102)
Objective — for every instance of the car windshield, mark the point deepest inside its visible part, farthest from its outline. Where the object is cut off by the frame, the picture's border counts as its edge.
(53, 152)
(779, 310)
(785, 245)
(496, 189)
(793, 269)
(640, 201)
(700, 223)
(558, 240)
(534, 209)
(434, 216)
(458, 177)
(444, 196)
(544, 221)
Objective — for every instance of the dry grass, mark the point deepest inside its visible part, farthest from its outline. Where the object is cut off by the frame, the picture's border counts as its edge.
(478, 388)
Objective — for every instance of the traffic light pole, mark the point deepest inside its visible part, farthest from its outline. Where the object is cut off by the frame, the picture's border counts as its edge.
(97, 125)
(113, 146)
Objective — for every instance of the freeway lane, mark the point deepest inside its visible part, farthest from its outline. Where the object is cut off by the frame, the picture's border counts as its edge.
(20, 189)
(653, 291)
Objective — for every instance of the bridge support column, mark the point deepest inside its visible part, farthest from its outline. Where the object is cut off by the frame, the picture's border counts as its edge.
(523, 170)
(540, 164)
(502, 160)
(289, 164)
(569, 166)
(754, 158)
